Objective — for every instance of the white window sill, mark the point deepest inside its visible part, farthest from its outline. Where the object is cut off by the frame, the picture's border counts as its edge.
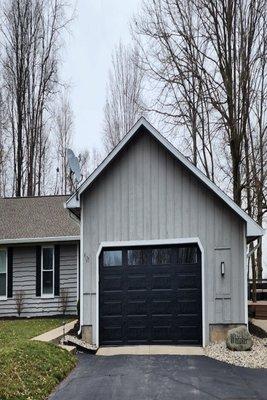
(47, 296)
(3, 298)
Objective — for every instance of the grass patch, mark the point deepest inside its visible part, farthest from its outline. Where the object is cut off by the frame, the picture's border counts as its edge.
(30, 370)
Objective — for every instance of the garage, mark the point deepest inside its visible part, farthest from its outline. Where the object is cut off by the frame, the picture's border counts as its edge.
(150, 295)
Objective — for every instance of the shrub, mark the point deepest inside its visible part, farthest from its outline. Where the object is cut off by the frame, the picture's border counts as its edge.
(19, 299)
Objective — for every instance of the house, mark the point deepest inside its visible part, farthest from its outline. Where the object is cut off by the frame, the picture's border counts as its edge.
(39, 253)
(163, 249)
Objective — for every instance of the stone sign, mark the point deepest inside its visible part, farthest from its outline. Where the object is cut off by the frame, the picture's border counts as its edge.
(239, 339)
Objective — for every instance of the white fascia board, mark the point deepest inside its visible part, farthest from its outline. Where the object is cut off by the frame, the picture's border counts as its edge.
(253, 229)
(72, 202)
(40, 240)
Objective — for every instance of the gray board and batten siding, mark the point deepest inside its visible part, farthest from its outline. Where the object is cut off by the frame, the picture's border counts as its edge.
(145, 194)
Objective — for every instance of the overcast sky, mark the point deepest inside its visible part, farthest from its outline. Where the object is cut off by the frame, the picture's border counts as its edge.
(97, 28)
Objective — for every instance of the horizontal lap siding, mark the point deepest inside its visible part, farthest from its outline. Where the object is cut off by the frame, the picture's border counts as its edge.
(24, 277)
(146, 194)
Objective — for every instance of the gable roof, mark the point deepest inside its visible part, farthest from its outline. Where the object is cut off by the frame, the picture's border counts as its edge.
(253, 229)
(36, 219)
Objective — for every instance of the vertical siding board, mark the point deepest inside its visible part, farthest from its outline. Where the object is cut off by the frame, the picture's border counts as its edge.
(186, 194)
(139, 188)
(127, 196)
(177, 201)
(146, 190)
(117, 202)
(131, 194)
(154, 189)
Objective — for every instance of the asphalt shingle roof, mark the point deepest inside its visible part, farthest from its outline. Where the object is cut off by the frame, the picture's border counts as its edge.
(35, 217)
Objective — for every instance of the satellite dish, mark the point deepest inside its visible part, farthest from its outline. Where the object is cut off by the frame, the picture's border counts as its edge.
(74, 165)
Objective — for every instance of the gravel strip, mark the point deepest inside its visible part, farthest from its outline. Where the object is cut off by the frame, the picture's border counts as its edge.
(81, 343)
(255, 358)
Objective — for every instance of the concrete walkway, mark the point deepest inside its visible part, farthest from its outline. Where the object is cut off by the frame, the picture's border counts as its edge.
(55, 334)
(150, 350)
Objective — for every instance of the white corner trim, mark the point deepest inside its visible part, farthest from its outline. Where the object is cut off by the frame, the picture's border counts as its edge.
(156, 242)
(40, 240)
(81, 273)
(245, 277)
(253, 229)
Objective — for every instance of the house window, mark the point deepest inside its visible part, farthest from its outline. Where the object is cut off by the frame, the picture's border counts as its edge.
(48, 267)
(3, 273)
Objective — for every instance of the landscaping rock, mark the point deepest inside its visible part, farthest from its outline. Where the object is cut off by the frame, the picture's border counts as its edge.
(239, 339)
(256, 358)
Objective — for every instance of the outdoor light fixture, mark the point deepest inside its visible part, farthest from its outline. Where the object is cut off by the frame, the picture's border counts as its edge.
(222, 268)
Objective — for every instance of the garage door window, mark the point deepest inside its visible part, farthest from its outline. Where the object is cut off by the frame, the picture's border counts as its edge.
(112, 258)
(161, 256)
(187, 255)
(137, 257)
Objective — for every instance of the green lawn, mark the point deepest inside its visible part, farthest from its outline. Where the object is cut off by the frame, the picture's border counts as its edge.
(29, 370)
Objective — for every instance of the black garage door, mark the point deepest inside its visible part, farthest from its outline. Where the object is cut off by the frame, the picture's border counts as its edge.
(150, 295)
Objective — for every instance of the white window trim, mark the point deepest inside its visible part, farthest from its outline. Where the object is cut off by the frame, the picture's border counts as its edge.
(5, 297)
(51, 295)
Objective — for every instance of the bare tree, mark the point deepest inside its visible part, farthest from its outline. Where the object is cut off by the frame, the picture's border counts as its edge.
(124, 103)
(4, 151)
(64, 128)
(167, 61)
(207, 61)
(31, 33)
(210, 51)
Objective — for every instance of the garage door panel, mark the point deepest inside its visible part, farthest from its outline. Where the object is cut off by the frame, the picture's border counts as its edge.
(162, 333)
(188, 294)
(187, 281)
(158, 302)
(190, 320)
(137, 307)
(136, 281)
(161, 306)
(112, 335)
(188, 333)
(111, 307)
(112, 282)
(137, 329)
(187, 269)
(161, 281)
(187, 307)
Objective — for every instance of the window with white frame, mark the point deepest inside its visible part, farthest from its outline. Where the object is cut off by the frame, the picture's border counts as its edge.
(3, 273)
(48, 268)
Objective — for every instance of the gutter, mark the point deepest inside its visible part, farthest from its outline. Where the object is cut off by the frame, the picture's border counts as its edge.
(40, 240)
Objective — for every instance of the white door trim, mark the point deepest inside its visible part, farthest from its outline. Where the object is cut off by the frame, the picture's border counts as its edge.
(157, 242)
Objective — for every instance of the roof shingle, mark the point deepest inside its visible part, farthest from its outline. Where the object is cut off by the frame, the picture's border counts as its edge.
(36, 217)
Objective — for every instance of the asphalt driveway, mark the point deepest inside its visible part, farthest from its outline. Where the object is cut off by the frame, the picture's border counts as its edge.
(160, 378)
